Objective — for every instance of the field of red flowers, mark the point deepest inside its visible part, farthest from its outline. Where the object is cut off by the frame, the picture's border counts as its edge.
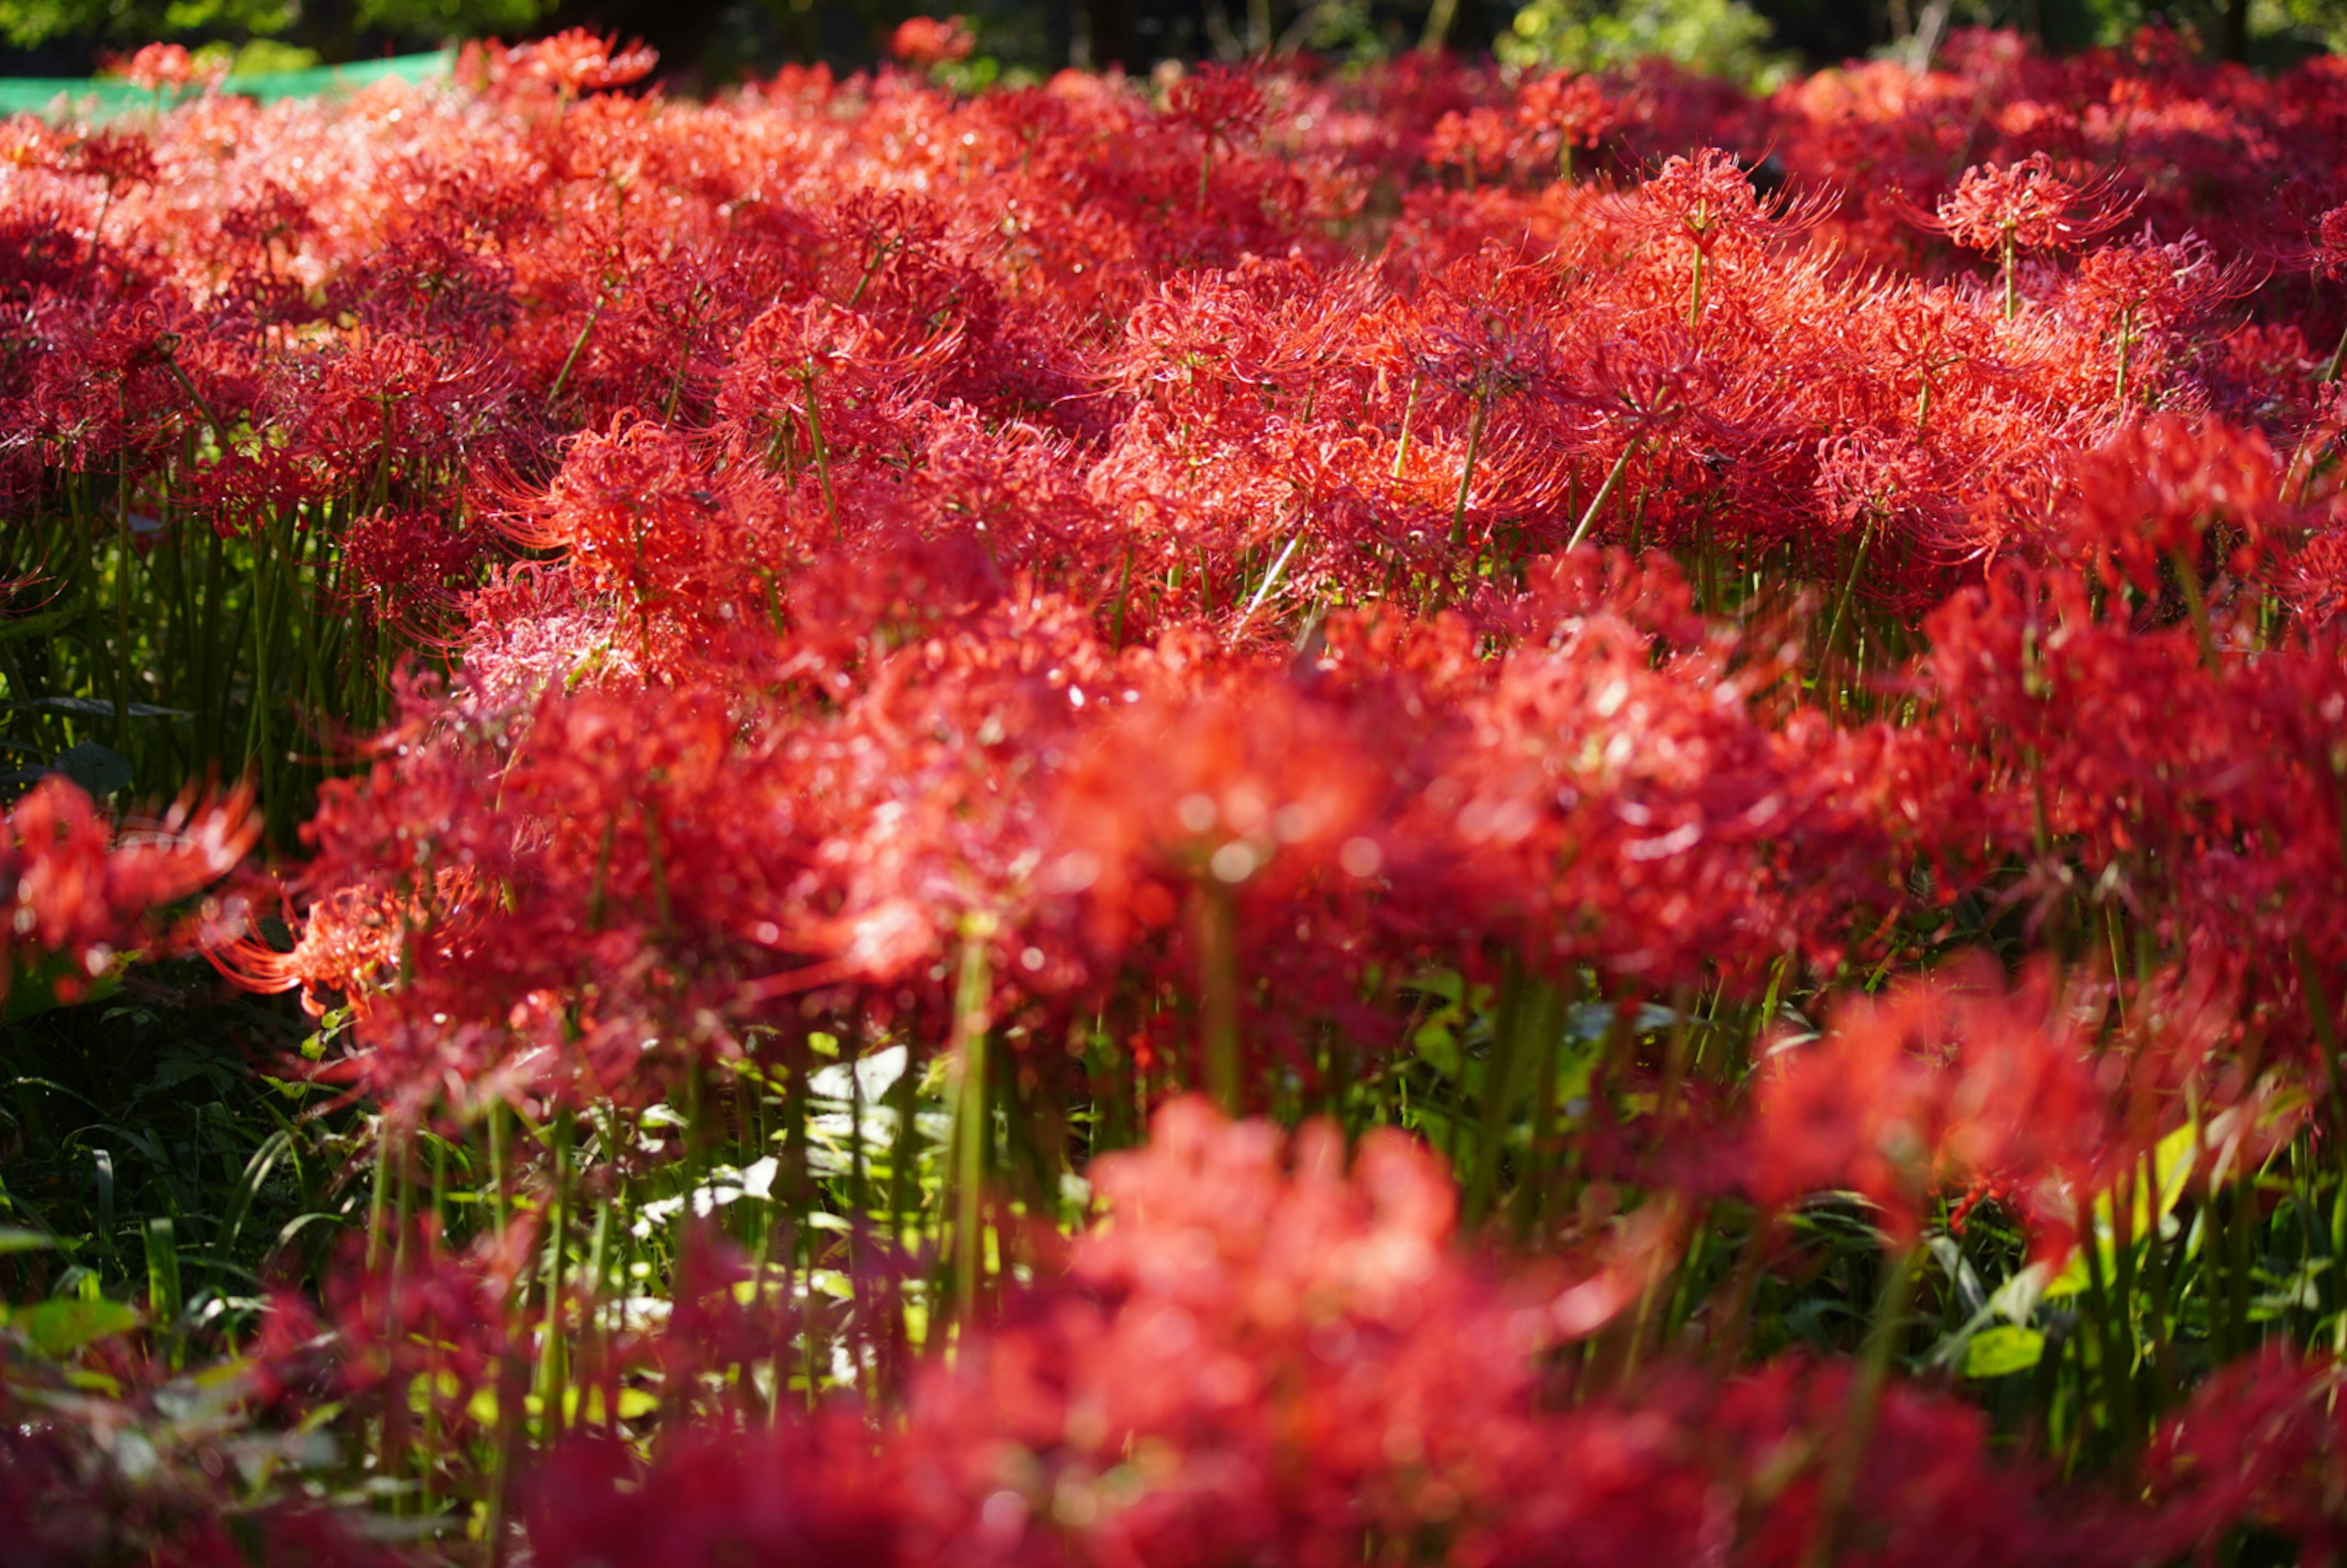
(1274, 816)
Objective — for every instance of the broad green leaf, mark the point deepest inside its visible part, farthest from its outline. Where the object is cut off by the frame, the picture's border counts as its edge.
(99, 770)
(2003, 1350)
(60, 1326)
(2171, 1161)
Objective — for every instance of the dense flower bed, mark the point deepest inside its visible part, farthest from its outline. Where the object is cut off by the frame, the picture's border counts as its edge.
(1763, 676)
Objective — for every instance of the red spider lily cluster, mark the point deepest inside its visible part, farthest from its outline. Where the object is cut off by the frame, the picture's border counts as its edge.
(1272, 1357)
(1165, 584)
(1269, 1357)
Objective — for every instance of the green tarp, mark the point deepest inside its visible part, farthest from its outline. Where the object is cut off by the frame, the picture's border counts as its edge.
(96, 97)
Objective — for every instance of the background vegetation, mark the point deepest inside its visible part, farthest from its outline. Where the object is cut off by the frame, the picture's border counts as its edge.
(717, 41)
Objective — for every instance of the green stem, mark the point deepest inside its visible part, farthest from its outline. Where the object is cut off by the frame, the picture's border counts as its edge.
(2125, 342)
(1548, 1041)
(1408, 413)
(822, 450)
(1270, 580)
(553, 1364)
(577, 346)
(1124, 596)
(1597, 501)
(973, 1128)
(2110, 1299)
(379, 1199)
(1849, 588)
(2195, 603)
(1467, 475)
(1497, 1090)
(1848, 1451)
(1216, 914)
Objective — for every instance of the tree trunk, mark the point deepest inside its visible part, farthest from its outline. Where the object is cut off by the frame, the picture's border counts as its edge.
(2233, 42)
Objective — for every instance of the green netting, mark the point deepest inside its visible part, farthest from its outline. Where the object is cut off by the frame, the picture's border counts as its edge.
(97, 98)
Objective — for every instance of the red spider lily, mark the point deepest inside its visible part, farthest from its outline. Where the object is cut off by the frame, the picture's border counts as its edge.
(2007, 209)
(816, 384)
(682, 838)
(1609, 796)
(1887, 480)
(398, 565)
(1478, 144)
(1942, 1083)
(574, 61)
(349, 943)
(397, 412)
(2166, 490)
(1707, 203)
(82, 889)
(2330, 261)
(2203, 793)
(578, 857)
(1252, 414)
(925, 41)
(1573, 111)
(2259, 1444)
(2331, 243)
(116, 158)
(2146, 287)
(2027, 206)
(2149, 295)
(1103, 571)
(1219, 103)
(638, 512)
(1251, 816)
(1261, 789)
(157, 68)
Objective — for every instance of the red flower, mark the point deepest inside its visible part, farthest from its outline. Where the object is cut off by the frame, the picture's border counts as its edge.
(2026, 206)
(1942, 1083)
(926, 41)
(77, 884)
(575, 60)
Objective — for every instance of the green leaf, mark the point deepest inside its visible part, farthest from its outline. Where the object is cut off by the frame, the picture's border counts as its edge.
(99, 770)
(14, 1239)
(14, 626)
(90, 1381)
(35, 988)
(99, 708)
(2003, 1350)
(60, 1326)
(163, 1268)
(2171, 1163)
